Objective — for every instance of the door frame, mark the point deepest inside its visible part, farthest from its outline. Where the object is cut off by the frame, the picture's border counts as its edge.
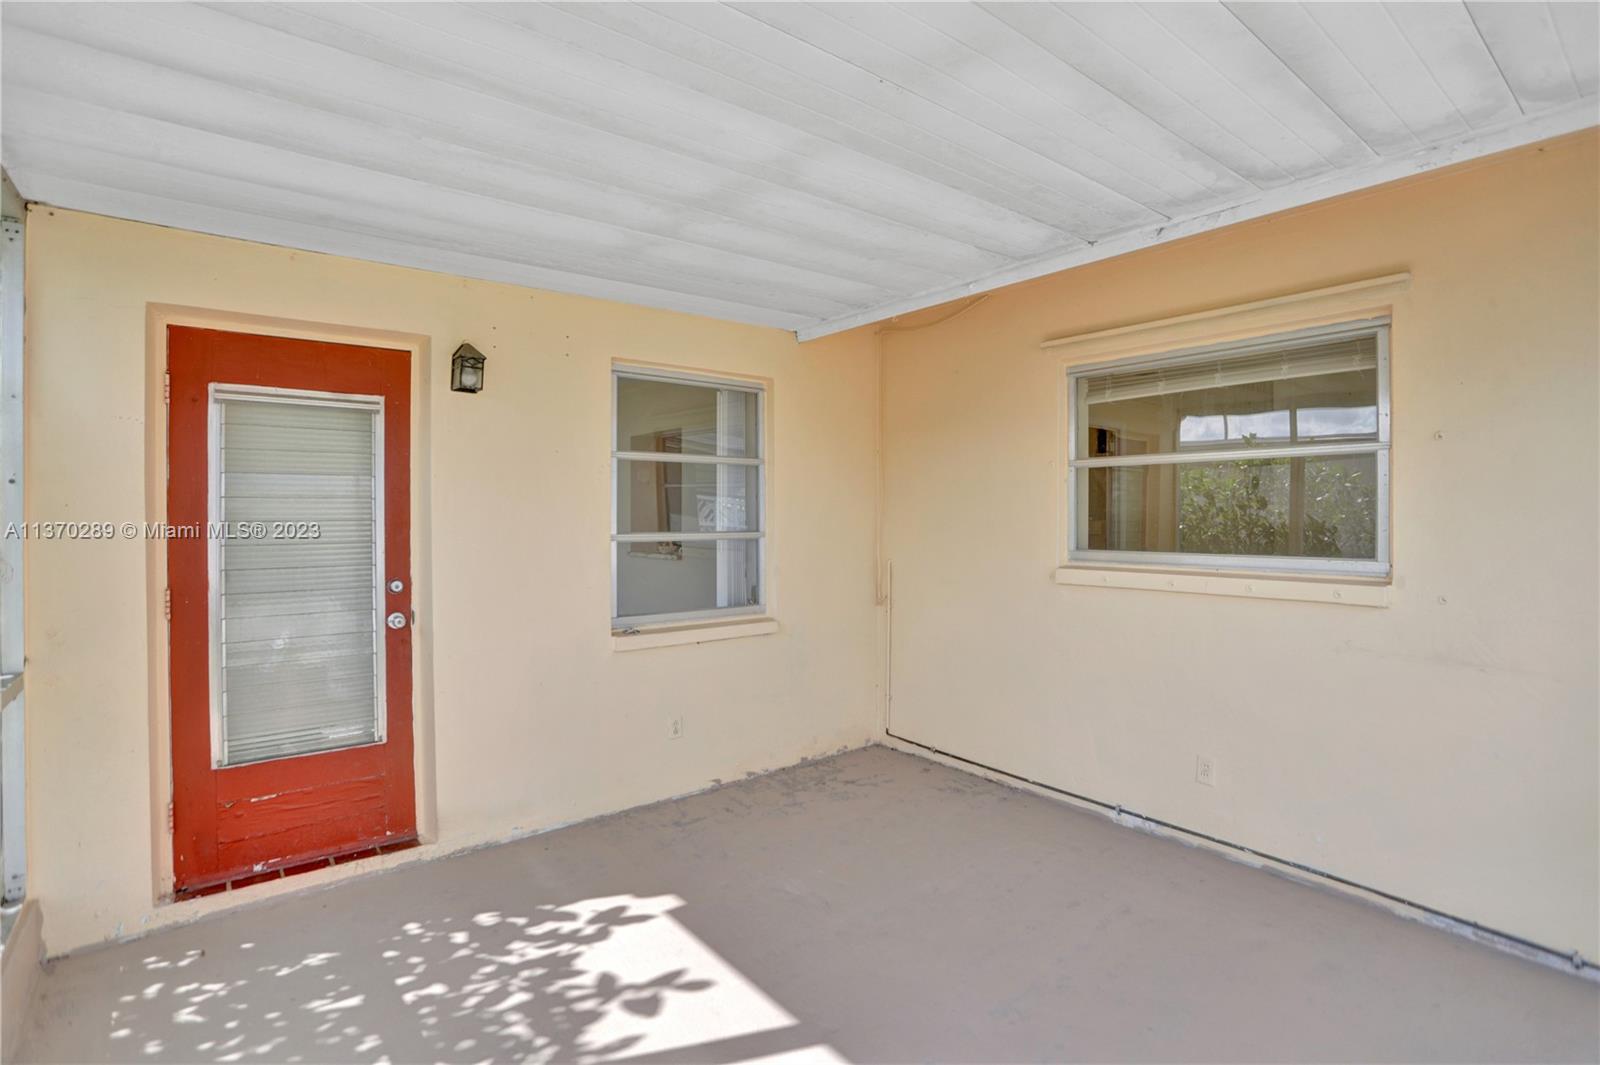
(158, 316)
(238, 823)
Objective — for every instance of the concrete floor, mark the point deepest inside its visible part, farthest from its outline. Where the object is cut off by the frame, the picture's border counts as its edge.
(873, 907)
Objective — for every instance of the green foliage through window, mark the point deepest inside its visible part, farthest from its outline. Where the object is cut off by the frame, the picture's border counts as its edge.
(1312, 508)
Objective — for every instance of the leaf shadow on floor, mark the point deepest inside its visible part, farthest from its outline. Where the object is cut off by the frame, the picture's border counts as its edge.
(491, 986)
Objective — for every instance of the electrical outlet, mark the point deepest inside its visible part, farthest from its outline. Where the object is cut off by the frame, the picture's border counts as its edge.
(1205, 771)
(675, 728)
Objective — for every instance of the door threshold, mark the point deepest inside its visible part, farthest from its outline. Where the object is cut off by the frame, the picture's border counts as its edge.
(294, 867)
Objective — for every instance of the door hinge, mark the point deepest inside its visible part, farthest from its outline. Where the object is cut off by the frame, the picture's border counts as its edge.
(169, 816)
(166, 602)
(166, 388)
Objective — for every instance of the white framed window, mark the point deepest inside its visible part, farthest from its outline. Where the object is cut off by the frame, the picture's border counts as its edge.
(688, 497)
(1270, 454)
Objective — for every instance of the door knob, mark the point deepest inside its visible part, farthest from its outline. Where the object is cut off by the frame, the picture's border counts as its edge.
(397, 620)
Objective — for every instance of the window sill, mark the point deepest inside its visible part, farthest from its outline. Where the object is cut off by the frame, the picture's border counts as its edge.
(1254, 585)
(698, 632)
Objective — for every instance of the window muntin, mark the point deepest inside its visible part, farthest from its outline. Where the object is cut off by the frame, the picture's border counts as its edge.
(1271, 454)
(688, 496)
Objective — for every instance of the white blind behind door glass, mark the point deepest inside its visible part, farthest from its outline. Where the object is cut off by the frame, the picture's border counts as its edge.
(299, 640)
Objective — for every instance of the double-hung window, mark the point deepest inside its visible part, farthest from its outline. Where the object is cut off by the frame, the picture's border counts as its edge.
(1271, 454)
(687, 505)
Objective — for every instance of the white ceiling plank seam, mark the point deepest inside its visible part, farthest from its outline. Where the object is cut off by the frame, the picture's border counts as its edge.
(1578, 26)
(446, 111)
(294, 234)
(1030, 186)
(722, 70)
(1529, 51)
(681, 245)
(719, 134)
(46, 79)
(1135, 108)
(1377, 48)
(1161, 57)
(1078, 49)
(1068, 156)
(1240, 58)
(1257, 82)
(680, 50)
(1025, 77)
(441, 229)
(1447, 43)
(1578, 116)
(1010, 76)
(800, 166)
(1294, 37)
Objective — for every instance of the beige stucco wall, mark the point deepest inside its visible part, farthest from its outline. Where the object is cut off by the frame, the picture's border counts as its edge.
(527, 717)
(1443, 748)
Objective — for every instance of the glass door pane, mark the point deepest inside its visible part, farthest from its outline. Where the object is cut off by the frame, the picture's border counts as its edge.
(298, 612)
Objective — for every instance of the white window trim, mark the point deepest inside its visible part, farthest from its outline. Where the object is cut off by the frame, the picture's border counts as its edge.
(733, 628)
(630, 627)
(1379, 567)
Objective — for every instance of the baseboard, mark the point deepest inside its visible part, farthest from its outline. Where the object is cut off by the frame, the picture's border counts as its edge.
(178, 914)
(1564, 961)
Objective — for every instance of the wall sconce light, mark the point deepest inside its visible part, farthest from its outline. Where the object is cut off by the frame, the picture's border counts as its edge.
(466, 369)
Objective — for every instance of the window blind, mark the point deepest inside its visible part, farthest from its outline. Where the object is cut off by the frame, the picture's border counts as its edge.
(299, 614)
(1313, 360)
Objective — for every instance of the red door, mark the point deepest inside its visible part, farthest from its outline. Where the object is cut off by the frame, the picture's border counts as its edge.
(288, 557)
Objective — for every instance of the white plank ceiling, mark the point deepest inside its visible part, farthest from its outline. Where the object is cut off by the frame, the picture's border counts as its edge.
(809, 166)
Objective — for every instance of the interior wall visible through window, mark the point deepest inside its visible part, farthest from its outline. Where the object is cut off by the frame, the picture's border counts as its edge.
(687, 530)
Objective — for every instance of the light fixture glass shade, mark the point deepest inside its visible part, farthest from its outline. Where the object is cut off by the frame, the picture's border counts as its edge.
(466, 369)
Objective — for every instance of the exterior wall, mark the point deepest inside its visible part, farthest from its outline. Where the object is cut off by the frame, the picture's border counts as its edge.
(1442, 748)
(526, 717)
